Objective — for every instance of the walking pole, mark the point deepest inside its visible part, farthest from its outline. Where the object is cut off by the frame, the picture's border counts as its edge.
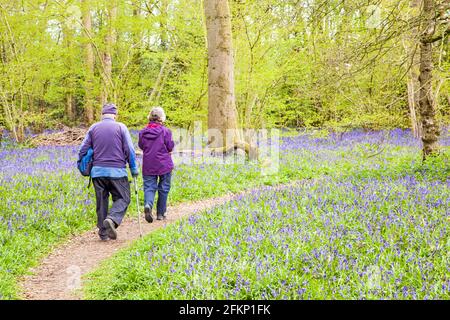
(137, 205)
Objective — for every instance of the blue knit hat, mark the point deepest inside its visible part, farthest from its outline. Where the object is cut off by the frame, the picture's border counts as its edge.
(109, 108)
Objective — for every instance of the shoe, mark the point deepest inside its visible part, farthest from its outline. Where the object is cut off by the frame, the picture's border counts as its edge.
(110, 228)
(103, 236)
(148, 214)
(159, 217)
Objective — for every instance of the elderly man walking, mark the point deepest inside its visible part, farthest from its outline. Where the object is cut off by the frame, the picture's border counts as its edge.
(113, 149)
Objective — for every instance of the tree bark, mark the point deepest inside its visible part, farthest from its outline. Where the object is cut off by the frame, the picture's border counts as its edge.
(222, 113)
(89, 63)
(413, 74)
(426, 101)
(69, 81)
(159, 80)
(413, 103)
(163, 25)
(70, 105)
(137, 33)
(110, 39)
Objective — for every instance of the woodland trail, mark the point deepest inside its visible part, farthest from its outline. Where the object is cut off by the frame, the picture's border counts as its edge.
(59, 275)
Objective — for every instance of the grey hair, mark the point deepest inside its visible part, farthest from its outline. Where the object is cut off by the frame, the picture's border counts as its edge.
(157, 114)
(109, 116)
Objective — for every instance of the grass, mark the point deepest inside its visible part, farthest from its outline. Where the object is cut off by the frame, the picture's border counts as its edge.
(45, 201)
(371, 228)
(324, 239)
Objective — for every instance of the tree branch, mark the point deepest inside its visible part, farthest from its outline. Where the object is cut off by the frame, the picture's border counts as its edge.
(440, 37)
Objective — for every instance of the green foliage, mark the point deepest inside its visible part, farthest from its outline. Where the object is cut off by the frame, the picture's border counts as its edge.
(295, 66)
(46, 200)
(32, 220)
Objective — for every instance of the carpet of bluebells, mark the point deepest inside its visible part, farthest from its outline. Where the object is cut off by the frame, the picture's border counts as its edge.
(374, 201)
(366, 221)
(44, 200)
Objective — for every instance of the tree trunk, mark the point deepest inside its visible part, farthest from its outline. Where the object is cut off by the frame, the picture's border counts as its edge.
(426, 101)
(89, 63)
(69, 105)
(137, 36)
(156, 91)
(413, 73)
(163, 25)
(69, 81)
(222, 113)
(413, 103)
(110, 39)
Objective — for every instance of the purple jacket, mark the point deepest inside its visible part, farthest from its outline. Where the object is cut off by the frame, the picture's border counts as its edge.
(113, 148)
(156, 142)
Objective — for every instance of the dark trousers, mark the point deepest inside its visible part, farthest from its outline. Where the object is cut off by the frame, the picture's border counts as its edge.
(119, 189)
(160, 183)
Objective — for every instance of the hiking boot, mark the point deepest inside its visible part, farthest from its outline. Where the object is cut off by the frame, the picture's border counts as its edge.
(110, 228)
(103, 236)
(161, 217)
(104, 239)
(148, 214)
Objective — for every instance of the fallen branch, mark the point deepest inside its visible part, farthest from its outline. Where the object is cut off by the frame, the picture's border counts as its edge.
(251, 151)
(66, 137)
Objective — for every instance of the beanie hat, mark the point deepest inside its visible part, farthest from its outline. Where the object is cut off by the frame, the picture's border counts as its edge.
(157, 114)
(109, 108)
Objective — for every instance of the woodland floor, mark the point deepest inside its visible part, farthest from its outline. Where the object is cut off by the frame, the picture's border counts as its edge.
(58, 275)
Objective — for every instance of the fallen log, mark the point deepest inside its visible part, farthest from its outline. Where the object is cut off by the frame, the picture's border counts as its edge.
(251, 151)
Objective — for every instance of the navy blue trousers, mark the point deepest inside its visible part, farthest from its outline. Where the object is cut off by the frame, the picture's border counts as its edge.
(119, 189)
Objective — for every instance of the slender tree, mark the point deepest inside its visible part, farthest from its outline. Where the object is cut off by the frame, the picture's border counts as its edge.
(222, 113)
(426, 99)
(163, 24)
(412, 85)
(69, 79)
(108, 91)
(89, 63)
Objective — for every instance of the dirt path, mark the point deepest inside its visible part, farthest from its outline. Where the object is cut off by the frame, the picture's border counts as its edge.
(58, 275)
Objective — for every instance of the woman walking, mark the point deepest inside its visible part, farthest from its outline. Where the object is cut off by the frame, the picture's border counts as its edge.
(156, 142)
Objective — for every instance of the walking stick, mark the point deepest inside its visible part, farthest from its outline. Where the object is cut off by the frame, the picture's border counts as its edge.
(137, 205)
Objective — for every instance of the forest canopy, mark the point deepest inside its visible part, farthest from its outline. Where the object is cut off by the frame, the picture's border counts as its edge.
(311, 63)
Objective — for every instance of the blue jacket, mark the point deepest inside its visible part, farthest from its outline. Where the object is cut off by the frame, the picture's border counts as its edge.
(113, 149)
